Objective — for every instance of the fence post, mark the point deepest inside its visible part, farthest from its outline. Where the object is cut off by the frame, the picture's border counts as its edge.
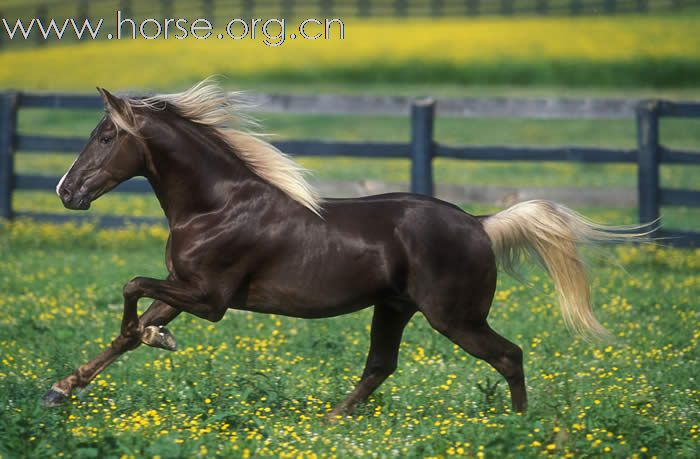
(166, 8)
(648, 161)
(575, 7)
(125, 8)
(326, 8)
(287, 7)
(83, 11)
(8, 121)
(506, 7)
(208, 10)
(400, 7)
(41, 14)
(542, 7)
(248, 9)
(422, 146)
(363, 8)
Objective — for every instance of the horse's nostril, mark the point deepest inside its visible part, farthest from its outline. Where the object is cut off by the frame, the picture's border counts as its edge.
(64, 193)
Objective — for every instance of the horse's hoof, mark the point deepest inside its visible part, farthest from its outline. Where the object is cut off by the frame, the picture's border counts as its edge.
(54, 398)
(159, 337)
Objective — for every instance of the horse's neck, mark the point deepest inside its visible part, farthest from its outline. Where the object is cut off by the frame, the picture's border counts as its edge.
(191, 177)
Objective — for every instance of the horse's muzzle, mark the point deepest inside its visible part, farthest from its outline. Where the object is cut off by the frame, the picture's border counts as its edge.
(74, 201)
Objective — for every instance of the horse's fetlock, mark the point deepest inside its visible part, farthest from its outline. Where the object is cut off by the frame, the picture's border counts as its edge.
(516, 355)
(82, 378)
(379, 370)
(123, 343)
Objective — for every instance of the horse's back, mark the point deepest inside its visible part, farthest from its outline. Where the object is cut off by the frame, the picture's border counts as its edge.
(406, 214)
(430, 232)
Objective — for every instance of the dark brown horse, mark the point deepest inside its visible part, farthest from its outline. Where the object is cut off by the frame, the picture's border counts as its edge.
(247, 232)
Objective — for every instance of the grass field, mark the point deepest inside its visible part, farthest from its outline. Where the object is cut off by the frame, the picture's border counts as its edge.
(256, 385)
(628, 51)
(259, 385)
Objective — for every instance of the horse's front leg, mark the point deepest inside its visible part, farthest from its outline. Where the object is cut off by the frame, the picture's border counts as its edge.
(157, 315)
(181, 295)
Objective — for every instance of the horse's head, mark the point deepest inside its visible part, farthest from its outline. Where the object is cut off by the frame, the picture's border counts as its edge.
(111, 156)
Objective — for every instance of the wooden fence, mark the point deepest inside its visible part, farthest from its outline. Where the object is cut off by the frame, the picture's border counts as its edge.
(421, 150)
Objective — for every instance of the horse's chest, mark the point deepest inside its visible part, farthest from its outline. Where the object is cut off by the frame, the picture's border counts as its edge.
(203, 254)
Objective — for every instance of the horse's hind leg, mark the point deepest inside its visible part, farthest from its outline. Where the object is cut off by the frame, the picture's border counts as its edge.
(481, 341)
(157, 315)
(458, 309)
(387, 328)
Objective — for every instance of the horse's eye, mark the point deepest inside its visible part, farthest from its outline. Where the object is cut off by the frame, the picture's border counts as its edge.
(105, 140)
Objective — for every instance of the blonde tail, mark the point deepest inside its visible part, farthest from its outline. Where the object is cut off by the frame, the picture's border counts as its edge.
(551, 232)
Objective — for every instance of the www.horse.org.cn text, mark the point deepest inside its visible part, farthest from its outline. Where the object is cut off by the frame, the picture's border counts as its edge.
(272, 32)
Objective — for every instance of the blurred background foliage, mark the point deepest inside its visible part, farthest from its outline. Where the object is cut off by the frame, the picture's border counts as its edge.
(611, 52)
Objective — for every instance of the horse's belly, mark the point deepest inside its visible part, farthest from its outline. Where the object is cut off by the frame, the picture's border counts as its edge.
(302, 311)
(308, 307)
(300, 299)
(337, 273)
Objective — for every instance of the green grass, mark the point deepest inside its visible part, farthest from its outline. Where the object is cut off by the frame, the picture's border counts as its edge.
(262, 383)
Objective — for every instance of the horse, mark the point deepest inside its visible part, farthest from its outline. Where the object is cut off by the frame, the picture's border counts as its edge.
(248, 232)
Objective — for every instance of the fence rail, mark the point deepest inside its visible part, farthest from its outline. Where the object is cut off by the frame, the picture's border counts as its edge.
(337, 104)
(421, 150)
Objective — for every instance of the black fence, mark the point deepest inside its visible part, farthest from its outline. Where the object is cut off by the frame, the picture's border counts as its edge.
(421, 150)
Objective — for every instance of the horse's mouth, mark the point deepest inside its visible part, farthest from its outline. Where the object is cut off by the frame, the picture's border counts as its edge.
(86, 200)
(81, 204)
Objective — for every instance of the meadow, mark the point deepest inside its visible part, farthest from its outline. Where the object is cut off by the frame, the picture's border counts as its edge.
(259, 385)
(625, 51)
(256, 385)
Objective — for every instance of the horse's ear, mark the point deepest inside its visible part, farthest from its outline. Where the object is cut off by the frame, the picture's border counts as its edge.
(112, 102)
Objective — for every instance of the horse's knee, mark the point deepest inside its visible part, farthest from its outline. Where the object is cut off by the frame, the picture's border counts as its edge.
(132, 288)
(515, 354)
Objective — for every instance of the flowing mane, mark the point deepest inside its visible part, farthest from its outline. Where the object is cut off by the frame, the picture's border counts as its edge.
(208, 104)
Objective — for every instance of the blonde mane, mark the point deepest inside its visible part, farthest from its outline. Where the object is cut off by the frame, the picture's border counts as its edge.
(208, 104)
